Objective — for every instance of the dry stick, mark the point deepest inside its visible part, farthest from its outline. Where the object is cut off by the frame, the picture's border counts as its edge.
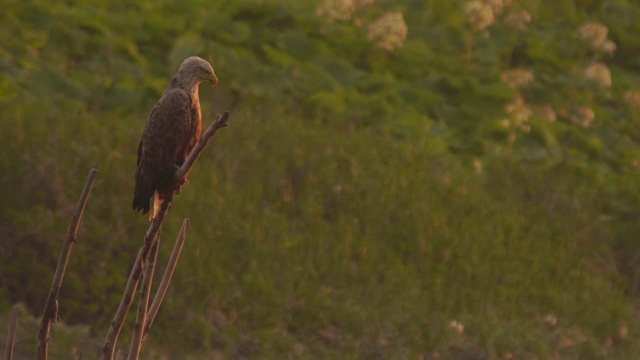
(166, 278)
(50, 312)
(154, 229)
(132, 283)
(143, 302)
(11, 336)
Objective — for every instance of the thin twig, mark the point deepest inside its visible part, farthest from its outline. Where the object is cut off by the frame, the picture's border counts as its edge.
(166, 277)
(50, 312)
(150, 237)
(11, 336)
(143, 302)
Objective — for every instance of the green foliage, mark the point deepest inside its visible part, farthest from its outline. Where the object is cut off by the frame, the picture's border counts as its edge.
(364, 202)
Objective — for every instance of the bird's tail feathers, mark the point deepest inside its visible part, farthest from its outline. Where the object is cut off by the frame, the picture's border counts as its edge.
(156, 201)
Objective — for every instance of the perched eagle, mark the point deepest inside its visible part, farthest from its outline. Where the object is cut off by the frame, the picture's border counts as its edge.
(173, 128)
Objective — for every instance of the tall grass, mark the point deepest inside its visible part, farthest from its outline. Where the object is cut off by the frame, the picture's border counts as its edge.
(303, 231)
(318, 238)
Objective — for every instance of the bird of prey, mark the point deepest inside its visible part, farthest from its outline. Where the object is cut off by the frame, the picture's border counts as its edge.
(173, 128)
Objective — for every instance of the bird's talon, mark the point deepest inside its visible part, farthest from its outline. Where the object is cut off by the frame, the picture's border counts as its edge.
(178, 186)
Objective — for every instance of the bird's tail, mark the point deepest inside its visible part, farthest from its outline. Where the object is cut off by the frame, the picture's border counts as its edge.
(156, 200)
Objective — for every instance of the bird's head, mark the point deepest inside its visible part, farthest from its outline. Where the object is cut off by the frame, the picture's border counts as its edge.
(196, 70)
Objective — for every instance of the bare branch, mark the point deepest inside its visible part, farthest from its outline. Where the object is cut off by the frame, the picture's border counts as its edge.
(166, 277)
(11, 335)
(143, 302)
(50, 312)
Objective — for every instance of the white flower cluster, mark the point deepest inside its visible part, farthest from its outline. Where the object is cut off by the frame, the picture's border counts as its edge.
(480, 14)
(518, 19)
(517, 78)
(336, 9)
(519, 114)
(583, 116)
(389, 31)
(518, 111)
(483, 13)
(546, 112)
(598, 73)
(595, 34)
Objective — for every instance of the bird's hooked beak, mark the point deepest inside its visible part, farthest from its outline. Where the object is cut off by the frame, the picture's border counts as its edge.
(214, 79)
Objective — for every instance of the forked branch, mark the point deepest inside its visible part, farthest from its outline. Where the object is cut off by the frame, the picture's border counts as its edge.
(132, 283)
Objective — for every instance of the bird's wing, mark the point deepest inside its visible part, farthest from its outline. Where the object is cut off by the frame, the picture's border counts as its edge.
(168, 125)
(166, 133)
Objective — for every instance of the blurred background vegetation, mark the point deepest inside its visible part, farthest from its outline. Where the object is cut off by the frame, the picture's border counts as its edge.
(401, 179)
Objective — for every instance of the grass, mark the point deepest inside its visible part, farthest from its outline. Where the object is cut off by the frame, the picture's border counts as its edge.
(319, 240)
(377, 246)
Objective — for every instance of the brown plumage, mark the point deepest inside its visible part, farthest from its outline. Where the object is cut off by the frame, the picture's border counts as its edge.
(173, 128)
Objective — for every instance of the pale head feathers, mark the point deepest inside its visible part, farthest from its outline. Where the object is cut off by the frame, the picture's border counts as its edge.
(193, 71)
